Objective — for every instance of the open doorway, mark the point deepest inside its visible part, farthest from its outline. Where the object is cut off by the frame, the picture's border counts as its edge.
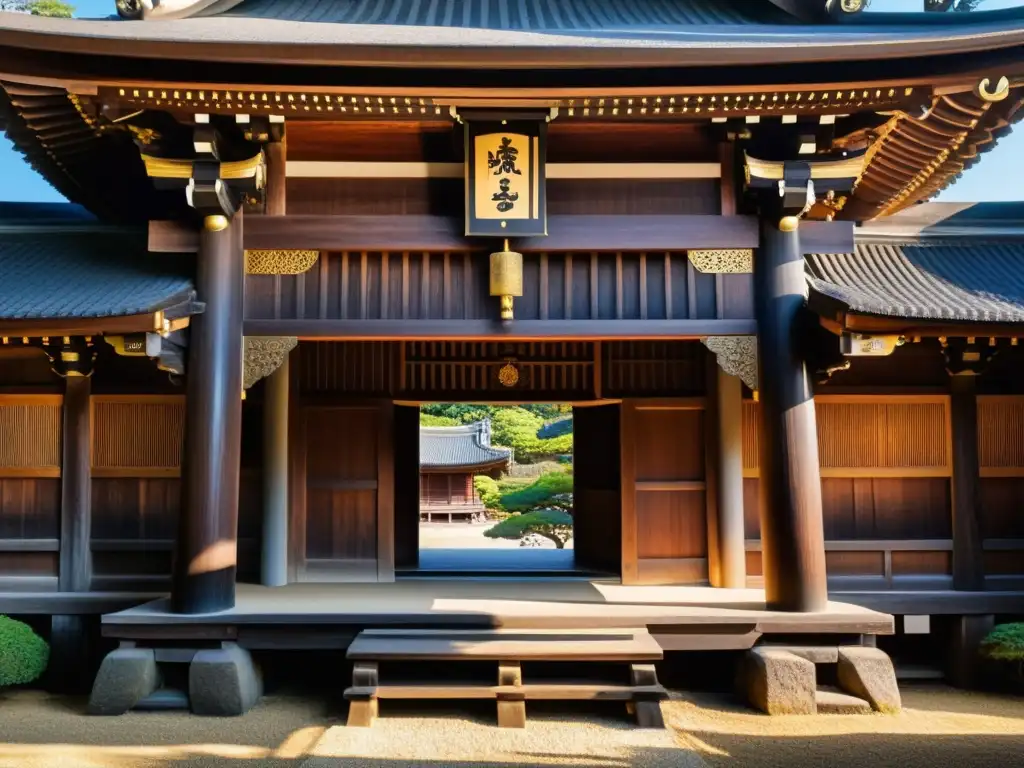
(496, 488)
(508, 490)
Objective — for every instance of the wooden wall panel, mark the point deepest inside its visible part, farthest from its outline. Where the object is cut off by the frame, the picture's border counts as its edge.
(653, 368)
(886, 508)
(31, 429)
(29, 508)
(855, 563)
(1001, 511)
(671, 446)
(454, 286)
(137, 434)
(137, 509)
(363, 367)
(922, 563)
(665, 539)
(671, 524)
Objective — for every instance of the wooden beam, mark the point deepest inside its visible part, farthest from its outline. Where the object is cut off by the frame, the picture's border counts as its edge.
(329, 169)
(442, 233)
(968, 558)
(518, 330)
(75, 488)
(84, 326)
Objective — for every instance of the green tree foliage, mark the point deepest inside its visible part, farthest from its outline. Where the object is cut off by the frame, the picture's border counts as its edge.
(56, 8)
(553, 524)
(23, 654)
(491, 491)
(1005, 643)
(540, 494)
(430, 420)
(516, 428)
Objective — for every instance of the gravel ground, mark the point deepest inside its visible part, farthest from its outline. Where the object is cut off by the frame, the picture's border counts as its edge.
(939, 727)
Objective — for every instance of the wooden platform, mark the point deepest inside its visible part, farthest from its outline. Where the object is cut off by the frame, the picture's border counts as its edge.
(329, 615)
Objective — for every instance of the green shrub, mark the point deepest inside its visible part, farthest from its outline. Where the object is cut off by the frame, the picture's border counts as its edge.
(538, 493)
(1005, 643)
(430, 420)
(516, 428)
(552, 524)
(23, 653)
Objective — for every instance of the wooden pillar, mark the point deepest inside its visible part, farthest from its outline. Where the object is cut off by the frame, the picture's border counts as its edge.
(731, 542)
(75, 488)
(274, 561)
(207, 546)
(968, 564)
(70, 669)
(793, 545)
(274, 555)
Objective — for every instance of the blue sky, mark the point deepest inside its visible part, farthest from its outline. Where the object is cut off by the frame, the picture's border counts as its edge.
(997, 177)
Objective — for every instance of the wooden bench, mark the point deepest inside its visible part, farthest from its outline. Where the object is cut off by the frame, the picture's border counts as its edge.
(509, 648)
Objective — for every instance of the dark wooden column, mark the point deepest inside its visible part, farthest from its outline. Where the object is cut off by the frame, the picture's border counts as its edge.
(204, 569)
(75, 488)
(968, 566)
(792, 537)
(274, 560)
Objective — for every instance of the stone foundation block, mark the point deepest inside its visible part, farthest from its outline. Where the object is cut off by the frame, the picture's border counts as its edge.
(778, 682)
(126, 676)
(223, 682)
(868, 674)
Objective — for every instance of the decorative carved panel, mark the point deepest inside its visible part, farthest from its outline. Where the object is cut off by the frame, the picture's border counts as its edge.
(279, 262)
(262, 355)
(736, 355)
(137, 435)
(30, 432)
(723, 262)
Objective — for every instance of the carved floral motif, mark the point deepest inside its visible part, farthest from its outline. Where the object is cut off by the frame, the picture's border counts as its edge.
(723, 262)
(262, 355)
(279, 262)
(736, 355)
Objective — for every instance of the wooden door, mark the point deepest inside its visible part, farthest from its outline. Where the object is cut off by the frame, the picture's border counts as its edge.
(349, 506)
(664, 517)
(597, 491)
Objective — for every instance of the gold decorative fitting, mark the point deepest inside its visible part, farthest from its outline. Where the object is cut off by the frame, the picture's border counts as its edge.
(279, 262)
(508, 376)
(172, 168)
(1001, 91)
(789, 223)
(215, 223)
(506, 278)
(846, 168)
(144, 136)
(734, 261)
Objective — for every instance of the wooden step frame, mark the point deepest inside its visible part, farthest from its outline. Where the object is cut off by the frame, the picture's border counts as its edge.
(642, 696)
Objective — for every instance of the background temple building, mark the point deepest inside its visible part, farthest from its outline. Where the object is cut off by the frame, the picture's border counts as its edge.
(797, 412)
(449, 459)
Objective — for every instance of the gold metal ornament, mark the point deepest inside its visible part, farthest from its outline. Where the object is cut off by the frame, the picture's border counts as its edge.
(506, 278)
(789, 223)
(1001, 92)
(215, 223)
(508, 376)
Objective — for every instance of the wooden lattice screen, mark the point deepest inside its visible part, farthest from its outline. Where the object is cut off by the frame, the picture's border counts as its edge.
(1001, 435)
(30, 435)
(872, 436)
(137, 436)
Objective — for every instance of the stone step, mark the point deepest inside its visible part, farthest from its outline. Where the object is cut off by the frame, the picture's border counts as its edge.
(833, 702)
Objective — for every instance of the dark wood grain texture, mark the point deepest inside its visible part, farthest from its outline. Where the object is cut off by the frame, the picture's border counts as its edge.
(206, 559)
(790, 482)
(75, 491)
(968, 562)
(597, 494)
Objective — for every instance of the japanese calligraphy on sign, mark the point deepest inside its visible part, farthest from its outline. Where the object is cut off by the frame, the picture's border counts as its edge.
(504, 178)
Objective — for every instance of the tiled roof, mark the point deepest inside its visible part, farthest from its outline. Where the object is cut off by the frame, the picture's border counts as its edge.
(521, 15)
(80, 274)
(556, 428)
(952, 280)
(465, 446)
